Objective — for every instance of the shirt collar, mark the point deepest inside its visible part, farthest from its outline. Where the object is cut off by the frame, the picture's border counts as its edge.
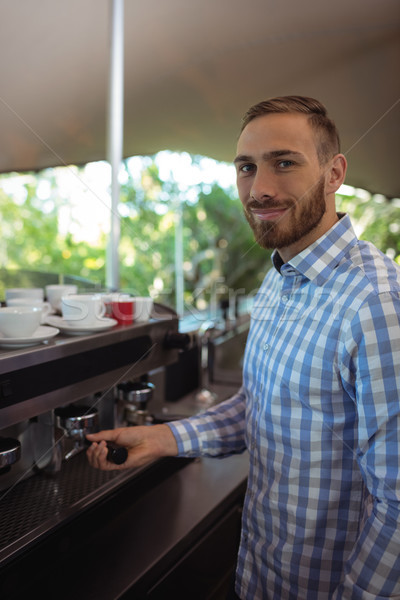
(318, 260)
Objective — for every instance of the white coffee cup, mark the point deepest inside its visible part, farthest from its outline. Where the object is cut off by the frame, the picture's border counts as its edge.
(12, 293)
(19, 321)
(83, 310)
(44, 306)
(55, 292)
(142, 308)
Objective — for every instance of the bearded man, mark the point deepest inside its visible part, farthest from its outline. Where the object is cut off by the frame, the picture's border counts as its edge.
(318, 410)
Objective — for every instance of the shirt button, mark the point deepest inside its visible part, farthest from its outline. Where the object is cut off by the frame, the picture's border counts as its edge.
(285, 298)
(266, 347)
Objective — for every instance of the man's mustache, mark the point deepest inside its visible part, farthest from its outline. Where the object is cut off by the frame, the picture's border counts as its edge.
(268, 204)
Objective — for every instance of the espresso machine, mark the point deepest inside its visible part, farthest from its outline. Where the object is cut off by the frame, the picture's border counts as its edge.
(51, 396)
(68, 530)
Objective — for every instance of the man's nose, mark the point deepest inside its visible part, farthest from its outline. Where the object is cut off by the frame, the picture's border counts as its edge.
(263, 186)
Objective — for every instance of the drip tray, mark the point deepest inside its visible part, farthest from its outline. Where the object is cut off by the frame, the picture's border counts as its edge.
(35, 507)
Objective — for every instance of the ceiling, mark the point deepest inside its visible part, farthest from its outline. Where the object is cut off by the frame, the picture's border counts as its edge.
(191, 70)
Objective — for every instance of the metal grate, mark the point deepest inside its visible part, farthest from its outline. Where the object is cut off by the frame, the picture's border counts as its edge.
(33, 506)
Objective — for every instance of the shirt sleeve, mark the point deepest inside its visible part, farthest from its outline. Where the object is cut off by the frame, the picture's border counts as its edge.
(218, 432)
(372, 366)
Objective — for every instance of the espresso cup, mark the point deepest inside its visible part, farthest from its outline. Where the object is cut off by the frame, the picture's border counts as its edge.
(55, 292)
(36, 293)
(19, 321)
(44, 306)
(82, 309)
(122, 308)
(142, 308)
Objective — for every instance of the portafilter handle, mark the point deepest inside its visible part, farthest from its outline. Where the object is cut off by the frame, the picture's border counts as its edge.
(77, 421)
(116, 454)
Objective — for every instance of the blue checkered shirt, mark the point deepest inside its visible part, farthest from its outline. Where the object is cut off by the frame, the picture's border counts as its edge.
(319, 414)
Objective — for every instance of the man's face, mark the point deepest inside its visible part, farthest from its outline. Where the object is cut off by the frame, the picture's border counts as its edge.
(281, 183)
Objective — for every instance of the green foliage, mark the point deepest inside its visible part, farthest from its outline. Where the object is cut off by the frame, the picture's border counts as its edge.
(30, 234)
(220, 255)
(221, 245)
(376, 219)
(218, 245)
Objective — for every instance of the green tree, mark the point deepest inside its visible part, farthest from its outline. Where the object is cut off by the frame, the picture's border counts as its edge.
(376, 219)
(218, 245)
(147, 234)
(30, 234)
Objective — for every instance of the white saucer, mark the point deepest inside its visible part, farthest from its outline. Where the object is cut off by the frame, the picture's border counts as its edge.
(42, 334)
(101, 325)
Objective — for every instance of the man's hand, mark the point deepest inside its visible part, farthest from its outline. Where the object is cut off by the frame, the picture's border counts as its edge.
(144, 444)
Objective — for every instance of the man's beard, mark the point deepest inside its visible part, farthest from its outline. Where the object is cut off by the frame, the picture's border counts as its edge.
(273, 234)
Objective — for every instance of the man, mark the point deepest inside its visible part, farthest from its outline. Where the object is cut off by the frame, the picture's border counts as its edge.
(319, 406)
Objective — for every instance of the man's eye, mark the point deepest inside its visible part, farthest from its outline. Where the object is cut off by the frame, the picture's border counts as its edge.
(284, 164)
(246, 168)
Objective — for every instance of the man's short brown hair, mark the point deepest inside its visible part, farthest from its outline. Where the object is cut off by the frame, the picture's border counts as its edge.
(327, 136)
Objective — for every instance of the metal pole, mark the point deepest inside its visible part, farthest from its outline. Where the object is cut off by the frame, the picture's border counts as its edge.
(179, 277)
(115, 137)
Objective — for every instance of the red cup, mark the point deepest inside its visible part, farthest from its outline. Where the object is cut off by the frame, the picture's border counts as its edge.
(122, 311)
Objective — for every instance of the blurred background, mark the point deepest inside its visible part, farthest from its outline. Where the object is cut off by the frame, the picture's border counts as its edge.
(119, 123)
(57, 221)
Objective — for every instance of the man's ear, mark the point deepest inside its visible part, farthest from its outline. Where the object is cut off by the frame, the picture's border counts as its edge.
(336, 173)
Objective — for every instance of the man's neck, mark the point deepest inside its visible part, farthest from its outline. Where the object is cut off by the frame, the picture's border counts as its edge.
(327, 221)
